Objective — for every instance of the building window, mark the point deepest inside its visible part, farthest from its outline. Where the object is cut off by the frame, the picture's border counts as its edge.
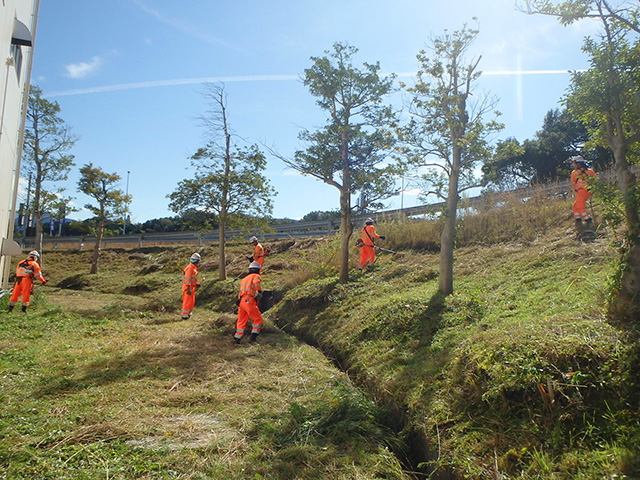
(16, 54)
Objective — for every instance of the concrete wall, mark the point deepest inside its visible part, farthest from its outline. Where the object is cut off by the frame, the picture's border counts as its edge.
(13, 78)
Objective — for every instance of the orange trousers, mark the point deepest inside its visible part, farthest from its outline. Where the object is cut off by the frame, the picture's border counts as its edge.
(367, 255)
(23, 287)
(248, 309)
(188, 301)
(580, 205)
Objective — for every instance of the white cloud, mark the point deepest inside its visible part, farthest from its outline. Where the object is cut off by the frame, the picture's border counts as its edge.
(83, 69)
(174, 82)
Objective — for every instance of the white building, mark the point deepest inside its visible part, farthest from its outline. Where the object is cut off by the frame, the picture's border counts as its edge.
(18, 19)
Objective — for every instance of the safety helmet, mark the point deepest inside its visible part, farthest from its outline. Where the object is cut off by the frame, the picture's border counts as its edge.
(253, 239)
(254, 266)
(34, 254)
(195, 258)
(369, 221)
(577, 159)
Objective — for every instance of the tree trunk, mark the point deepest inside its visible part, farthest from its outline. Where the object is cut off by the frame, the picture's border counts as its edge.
(222, 261)
(345, 206)
(626, 303)
(346, 229)
(448, 235)
(96, 248)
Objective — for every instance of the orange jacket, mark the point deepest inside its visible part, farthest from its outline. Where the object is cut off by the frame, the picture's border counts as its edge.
(30, 268)
(250, 286)
(190, 279)
(579, 178)
(258, 252)
(368, 234)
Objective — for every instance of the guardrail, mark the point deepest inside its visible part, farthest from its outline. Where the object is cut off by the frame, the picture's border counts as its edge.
(278, 231)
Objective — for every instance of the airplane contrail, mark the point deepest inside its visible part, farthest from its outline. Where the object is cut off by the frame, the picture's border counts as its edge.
(253, 78)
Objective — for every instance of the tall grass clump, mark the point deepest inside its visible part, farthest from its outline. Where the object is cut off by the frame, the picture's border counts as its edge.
(499, 218)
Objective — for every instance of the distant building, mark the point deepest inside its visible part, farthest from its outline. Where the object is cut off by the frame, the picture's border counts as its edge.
(17, 33)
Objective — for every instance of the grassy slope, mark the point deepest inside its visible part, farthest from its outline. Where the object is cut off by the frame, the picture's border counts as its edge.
(517, 375)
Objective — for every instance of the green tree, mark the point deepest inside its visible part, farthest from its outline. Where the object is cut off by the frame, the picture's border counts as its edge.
(351, 151)
(606, 98)
(543, 158)
(47, 141)
(228, 179)
(447, 133)
(111, 203)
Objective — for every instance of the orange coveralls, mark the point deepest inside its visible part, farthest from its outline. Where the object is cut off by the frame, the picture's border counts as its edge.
(367, 252)
(248, 307)
(27, 271)
(258, 255)
(579, 184)
(189, 283)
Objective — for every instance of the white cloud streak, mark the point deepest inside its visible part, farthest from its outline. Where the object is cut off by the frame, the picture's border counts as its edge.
(252, 78)
(183, 27)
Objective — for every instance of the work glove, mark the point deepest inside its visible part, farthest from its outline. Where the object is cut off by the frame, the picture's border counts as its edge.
(238, 301)
(44, 281)
(188, 290)
(382, 237)
(250, 259)
(197, 286)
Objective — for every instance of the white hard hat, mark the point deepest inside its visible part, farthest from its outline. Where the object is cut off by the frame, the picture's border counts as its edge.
(369, 221)
(34, 253)
(253, 239)
(195, 258)
(254, 266)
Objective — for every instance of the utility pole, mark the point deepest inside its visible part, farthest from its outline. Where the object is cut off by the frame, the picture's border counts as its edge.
(126, 214)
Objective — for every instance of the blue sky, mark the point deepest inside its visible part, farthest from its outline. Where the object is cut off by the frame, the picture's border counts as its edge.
(128, 77)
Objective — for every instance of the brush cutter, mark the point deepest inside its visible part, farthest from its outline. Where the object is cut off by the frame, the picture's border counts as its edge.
(384, 249)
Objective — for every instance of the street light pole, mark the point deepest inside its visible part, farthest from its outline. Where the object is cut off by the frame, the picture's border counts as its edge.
(124, 225)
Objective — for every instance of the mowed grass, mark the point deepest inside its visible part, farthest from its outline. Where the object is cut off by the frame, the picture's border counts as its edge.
(101, 382)
(516, 375)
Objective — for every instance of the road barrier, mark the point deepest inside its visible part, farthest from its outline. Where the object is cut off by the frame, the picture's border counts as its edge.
(277, 231)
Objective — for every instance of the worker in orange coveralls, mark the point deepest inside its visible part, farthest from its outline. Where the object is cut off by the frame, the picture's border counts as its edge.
(190, 285)
(258, 253)
(248, 304)
(579, 177)
(367, 244)
(28, 270)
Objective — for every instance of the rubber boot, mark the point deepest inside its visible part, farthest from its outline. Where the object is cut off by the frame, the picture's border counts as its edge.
(24, 308)
(10, 308)
(254, 338)
(589, 221)
(237, 340)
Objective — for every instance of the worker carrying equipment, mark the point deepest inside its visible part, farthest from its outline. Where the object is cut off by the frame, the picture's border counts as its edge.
(248, 304)
(259, 252)
(367, 244)
(579, 181)
(28, 270)
(189, 286)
